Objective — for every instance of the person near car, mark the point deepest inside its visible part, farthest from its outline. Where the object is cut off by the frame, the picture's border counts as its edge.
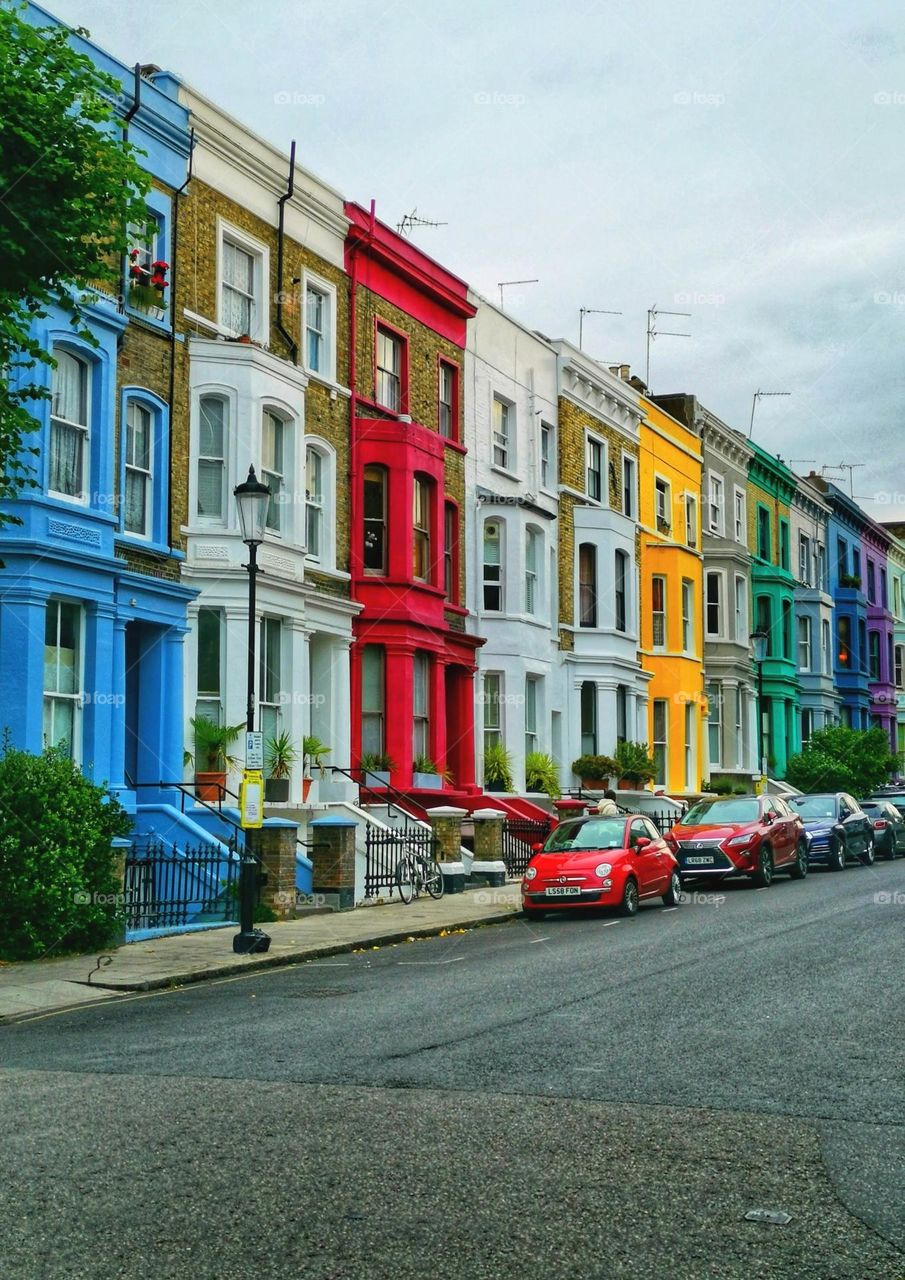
(608, 806)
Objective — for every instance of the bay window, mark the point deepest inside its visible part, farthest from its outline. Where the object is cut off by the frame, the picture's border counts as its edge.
(270, 676)
(421, 707)
(587, 585)
(421, 518)
(493, 567)
(375, 520)
(272, 468)
(314, 503)
(139, 452)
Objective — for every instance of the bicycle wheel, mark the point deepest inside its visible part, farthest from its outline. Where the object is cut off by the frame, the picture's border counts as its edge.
(432, 878)
(406, 877)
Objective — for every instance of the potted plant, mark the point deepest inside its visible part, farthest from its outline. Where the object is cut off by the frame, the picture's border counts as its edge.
(313, 752)
(281, 756)
(634, 765)
(147, 284)
(594, 771)
(212, 743)
(376, 767)
(498, 768)
(541, 774)
(425, 774)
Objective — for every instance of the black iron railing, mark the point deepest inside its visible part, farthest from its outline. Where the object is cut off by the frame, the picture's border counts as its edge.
(168, 887)
(383, 849)
(519, 837)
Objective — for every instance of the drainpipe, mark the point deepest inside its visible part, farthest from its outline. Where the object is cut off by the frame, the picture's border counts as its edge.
(174, 250)
(287, 337)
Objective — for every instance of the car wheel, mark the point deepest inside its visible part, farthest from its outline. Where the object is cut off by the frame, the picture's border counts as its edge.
(835, 860)
(673, 895)
(890, 853)
(629, 904)
(799, 868)
(867, 857)
(528, 913)
(763, 876)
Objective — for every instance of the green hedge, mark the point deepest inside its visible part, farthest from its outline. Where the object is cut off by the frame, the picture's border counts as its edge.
(58, 888)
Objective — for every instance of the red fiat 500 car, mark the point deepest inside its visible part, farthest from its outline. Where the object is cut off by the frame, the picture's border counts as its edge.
(740, 836)
(600, 862)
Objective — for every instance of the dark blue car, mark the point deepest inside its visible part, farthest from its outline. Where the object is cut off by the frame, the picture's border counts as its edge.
(836, 829)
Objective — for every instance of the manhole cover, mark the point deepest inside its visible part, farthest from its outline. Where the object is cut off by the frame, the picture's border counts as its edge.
(315, 993)
(774, 1216)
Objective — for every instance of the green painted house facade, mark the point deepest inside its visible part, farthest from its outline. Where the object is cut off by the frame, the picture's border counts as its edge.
(771, 486)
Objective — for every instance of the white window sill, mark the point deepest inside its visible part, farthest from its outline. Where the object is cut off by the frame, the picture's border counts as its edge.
(329, 382)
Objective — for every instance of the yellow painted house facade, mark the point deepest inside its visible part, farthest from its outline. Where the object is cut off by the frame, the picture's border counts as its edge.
(671, 572)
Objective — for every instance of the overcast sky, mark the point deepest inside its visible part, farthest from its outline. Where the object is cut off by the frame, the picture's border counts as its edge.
(743, 162)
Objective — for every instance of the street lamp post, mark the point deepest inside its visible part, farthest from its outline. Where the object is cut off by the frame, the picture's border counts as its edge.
(759, 642)
(253, 501)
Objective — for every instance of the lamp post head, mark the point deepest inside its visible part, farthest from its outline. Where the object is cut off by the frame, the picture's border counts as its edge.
(759, 639)
(253, 501)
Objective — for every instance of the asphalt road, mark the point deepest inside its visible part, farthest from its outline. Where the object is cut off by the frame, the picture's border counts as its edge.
(580, 1097)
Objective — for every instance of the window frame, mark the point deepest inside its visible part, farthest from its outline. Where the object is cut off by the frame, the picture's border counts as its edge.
(209, 698)
(422, 534)
(534, 558)
(547, 434)
(502, 441)
(446, 366)
(400, 339)
(272, 417)
(317, 284)
(662, 613)
(714, 691)
(717, 576)
(266, 674)
(146, 533)
(764, 522)
(380, 523)
(620, 590)
(75, 699)
(451, 551)
(227, 400)
(688, 611)
(629, 485)
(588, 597)
(740, 515)
(84, 430)
(376, 715)
(741, 609)
(489, 583)
(716, 485)
(492, 727)
(532, 736)
(662, 486)
(259, 323)
(691, 519)
(660, 745)
(804, 641)
(595, 449)
(421, 704)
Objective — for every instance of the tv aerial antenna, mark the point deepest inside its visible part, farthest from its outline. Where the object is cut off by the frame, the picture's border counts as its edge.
(844, 466)
(591, 311)
(411, 220)
(759, 395)
(653, 332)
(504, 284)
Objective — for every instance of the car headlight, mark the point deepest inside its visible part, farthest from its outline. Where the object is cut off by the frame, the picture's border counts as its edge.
(603, 870)
(737, 841)
(530, 873)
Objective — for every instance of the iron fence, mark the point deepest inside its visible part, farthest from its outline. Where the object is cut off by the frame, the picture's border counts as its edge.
(384, 848)
(519, 837)
(170, 887)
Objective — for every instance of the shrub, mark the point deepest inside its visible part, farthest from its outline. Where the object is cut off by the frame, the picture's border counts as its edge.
(541, 774)
(842, 759)
(498, 768)
(58, 886)
(634, 762)
(595, 768)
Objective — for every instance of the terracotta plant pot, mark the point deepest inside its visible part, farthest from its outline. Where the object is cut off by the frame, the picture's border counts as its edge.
(306, 787)
(625, 785)
(210, 786)
(594, 784)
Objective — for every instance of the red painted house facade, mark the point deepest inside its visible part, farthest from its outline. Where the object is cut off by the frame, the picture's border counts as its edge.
(413, 664)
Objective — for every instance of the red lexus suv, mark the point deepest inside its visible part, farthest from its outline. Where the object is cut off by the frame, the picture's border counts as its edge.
(751, 836)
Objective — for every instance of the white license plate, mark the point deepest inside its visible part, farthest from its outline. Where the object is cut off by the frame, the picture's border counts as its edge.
(564, 891)
(699, 862)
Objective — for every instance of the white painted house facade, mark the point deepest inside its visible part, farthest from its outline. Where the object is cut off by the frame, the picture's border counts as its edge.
(248, 406)
(511, 535)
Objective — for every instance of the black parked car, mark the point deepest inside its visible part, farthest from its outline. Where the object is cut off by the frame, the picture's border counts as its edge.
(889, 826)
(894, 796)
(836, 828)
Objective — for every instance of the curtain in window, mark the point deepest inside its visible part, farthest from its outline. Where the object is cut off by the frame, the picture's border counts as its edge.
(238, 288)
(66, 451)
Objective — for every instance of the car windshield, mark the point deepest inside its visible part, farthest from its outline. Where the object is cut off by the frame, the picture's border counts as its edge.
(595, 833)
(811, 807)
(718, 811)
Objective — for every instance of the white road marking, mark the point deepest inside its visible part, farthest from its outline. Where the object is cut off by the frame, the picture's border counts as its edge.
(452, 960)
(534, 941)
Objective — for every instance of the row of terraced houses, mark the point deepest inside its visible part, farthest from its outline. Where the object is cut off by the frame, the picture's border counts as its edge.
(478, 535)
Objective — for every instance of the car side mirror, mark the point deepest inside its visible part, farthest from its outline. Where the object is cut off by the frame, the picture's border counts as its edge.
(768, 819)
(537, 848)
(642, 842)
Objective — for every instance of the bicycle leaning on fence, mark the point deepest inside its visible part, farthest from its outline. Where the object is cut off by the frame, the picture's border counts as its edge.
(415, 872)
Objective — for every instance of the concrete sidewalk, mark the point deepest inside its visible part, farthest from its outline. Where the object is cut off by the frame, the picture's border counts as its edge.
(44, 986)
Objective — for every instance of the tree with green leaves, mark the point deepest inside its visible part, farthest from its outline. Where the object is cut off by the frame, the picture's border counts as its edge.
(841, 759)
(70, 187)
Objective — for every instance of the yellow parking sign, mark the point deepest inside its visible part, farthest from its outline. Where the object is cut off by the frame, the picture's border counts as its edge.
(251, 798)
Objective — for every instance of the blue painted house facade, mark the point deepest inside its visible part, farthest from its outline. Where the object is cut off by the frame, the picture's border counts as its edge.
(846, 528)
(92, 612)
